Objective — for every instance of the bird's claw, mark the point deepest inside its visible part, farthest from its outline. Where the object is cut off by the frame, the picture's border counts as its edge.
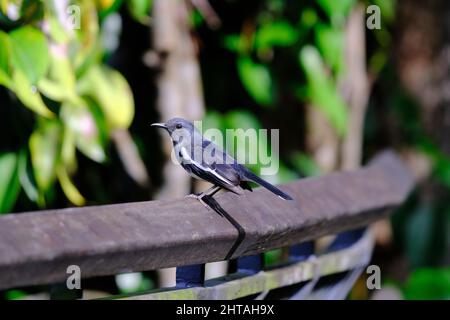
(199, 197)
(192, 195)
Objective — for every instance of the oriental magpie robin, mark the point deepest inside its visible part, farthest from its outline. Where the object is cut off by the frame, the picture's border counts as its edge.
(204, 160)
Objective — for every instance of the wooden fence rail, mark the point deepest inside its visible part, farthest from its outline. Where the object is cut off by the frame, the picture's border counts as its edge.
(37, 247)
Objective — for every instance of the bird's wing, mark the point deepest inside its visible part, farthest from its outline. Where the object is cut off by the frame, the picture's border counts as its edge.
(209, 162)
(210, 167)
(247, 175)
(213, 154)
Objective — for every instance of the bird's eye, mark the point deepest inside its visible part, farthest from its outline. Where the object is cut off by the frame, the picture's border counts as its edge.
(179, 126)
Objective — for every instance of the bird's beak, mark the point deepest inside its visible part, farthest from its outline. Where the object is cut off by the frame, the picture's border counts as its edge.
(159, 125)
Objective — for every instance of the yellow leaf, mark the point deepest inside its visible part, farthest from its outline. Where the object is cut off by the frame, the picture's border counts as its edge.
(69, 188)
(105, 4)
(113, 94)
(29, 95)
(44, 146)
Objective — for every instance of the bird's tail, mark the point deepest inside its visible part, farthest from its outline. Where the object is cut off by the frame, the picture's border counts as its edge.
(253, 177)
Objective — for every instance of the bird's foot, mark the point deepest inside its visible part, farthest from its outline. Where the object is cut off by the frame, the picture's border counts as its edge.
(199, 197)
(193, 195)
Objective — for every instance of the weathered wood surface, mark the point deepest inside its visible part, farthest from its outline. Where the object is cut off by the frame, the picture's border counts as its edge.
(37, 247)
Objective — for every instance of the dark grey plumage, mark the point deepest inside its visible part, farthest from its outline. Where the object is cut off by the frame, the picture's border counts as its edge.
(218, 167)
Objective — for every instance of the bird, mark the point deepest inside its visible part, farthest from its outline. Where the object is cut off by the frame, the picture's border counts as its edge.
(204, 160)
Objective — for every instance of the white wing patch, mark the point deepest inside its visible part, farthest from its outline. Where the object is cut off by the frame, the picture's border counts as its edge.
(184, 155)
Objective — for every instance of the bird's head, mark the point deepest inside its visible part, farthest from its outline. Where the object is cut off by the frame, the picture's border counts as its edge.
(177, 128)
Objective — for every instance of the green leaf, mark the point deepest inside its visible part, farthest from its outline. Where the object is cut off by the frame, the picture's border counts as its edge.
(57, 32)
(441, 162)
(68, 150)
(421, 222)
(79, 120)
(232, 42)
(140, 9)
(242, 119)
(322, 91)
(283, 175)
(387, 8)
(15, 294)
(337, 10)
(62, 72)
(305, 164)
(60, 83)
(29, 52)
(29, 95)
(273, 257)
(4, 79)
(240, 147)
(26, 178)
(430, 284)
(195, 19)
(69, 188)
(9, 183)
(256, 80)
(88, 47)
(106, 7)
(278, 33)
(113, 94)
(52, 90)
(44, 149)
(330, 42)
(31, 11)
(212, 120)
(308, 18)
(5, 72)
(378, 60)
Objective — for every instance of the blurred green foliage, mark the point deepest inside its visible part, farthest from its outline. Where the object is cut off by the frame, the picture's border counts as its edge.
(319, 42)
(428, 284)
(9, 183)
(64, 100)
(310, 38)
(53, 65)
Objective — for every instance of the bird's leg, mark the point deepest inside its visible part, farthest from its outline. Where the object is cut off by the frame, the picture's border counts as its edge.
(214, 191)
(210, 192)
